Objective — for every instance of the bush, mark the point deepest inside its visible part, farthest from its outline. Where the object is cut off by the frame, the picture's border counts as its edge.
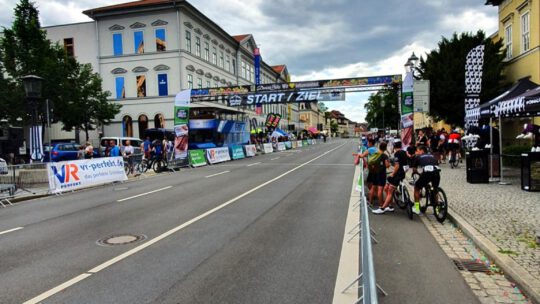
(512, 154)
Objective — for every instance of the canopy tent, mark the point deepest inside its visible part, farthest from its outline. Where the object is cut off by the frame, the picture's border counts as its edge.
(509, 102)
(278, 133)
(313, 130)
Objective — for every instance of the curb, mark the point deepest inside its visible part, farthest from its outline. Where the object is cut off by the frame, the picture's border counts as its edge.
(529, 284)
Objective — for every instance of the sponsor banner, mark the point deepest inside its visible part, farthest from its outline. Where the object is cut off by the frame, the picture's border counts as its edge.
(267, 147)
(217, 155)
(288, 145)
(407, 107)
(281, 146)
(299, 143)
(345, 82)
(272, 98)
(181, 127)
(196, 124)
(237, 152)
(337, 94)
(294, 144)
(222, 91)
(251, 150)
(305, 142)
(78, 174)
(196, 158)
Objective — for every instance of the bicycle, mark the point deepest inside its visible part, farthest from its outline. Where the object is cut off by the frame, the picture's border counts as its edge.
(454, 158)
(436, 198)
(403, 199)
(156, 163)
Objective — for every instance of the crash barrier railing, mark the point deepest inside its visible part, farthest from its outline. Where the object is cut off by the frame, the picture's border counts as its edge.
(369, 283)
(21, 179)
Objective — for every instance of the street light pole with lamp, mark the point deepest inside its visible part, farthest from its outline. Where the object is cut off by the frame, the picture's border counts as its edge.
(32, 88)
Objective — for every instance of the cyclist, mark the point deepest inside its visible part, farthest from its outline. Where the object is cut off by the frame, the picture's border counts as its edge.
(400, 166)
(454, 145)
(429, 174)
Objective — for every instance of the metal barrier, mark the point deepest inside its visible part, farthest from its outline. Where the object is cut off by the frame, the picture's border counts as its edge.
(22, 179)
(369, 283)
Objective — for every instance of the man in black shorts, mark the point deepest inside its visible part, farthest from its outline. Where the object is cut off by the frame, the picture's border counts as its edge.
(400, 167)
(430, 173)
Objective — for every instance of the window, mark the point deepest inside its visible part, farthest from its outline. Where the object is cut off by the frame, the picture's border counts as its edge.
(117, 44)
(161, 44)
(138, 37)
(199, 83)
(206, 51)
(198, 46)
(221, 59)
(190, 81)
(228, 63)
(143, 124)
(120, 88)
(68, 46)
(141, 86)
(250, 73)
(127, 126)
(208, 83)
(243, 71)
(188, 41)
(508, 41)
(163, 89)
(214, 55)
(234, 66)
(525, 32)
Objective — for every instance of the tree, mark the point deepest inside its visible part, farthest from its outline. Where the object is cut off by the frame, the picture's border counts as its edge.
(72, 87)
(445, 69)
(89, 106)
(383, 104)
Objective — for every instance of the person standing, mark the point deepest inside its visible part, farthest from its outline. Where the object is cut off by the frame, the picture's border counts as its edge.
(80, 152)
(127, 153)
(400, 166)
(89, 151)
(115, 151)
(377, 166)
(422, 139)
(147, 147)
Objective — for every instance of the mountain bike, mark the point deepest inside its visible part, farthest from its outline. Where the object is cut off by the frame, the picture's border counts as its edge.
(435, 197)
(403, 199)
(156, 163)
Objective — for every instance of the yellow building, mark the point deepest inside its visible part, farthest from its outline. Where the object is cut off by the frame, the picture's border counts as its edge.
(519, 29)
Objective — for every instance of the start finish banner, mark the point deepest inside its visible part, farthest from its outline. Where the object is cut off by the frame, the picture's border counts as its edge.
(78, 174)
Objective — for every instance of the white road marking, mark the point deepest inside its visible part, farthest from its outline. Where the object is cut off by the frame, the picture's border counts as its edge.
(126, 254)
(143, 194)
(348, 261)
(217, 174)
(11, 230)
(253, 164)
(274, 158)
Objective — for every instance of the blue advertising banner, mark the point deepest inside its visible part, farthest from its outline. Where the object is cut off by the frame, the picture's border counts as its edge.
(237, 152)
(163, 88)
(200, 124)
(257, 55)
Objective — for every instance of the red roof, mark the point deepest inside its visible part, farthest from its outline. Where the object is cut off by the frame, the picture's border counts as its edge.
(278, 68)
(239, 38)
(141, 3)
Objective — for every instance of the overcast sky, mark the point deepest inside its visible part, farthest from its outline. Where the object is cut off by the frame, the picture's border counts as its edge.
(321, 39)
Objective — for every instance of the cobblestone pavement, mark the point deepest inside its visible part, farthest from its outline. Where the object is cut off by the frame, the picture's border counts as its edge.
(490, 287)
(505, 215)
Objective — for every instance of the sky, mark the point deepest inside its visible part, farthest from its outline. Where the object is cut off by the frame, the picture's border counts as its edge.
(317, 39)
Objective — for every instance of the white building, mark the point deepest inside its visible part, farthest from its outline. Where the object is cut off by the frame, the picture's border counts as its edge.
(147, 51)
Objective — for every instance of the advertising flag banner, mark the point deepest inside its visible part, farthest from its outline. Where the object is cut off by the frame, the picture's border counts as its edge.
(196, 158)
(237, 152)
(257, 59)
(181, 126)
(218, 155)
(288, 145)
(78, 174)
(281, 146)
(407, 107)
(251, 150)
(268, 148)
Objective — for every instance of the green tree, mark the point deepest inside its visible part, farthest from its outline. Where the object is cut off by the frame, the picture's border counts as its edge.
(382, 107)
(70, 86)
(88, 106)
(445, 69)
(334, 127)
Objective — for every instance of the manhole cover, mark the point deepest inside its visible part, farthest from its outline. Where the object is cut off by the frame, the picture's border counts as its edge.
(122, 239)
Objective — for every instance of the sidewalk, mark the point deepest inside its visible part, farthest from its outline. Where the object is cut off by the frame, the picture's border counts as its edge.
(502, 220)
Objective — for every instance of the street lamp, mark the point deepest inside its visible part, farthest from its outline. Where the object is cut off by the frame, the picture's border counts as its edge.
(32, 88)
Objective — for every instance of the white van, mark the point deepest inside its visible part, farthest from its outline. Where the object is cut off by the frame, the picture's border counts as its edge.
(120, 142)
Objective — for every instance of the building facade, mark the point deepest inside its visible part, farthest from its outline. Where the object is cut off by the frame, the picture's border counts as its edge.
(148, 51)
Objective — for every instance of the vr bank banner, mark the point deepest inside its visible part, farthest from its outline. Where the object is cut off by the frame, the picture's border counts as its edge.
(78, 174)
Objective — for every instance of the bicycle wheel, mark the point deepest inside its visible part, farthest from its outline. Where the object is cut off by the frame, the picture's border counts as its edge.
(440, 205)
(143, 166)
(408, 203)
(126, 168)
(398, 198)
(427, 194)
(158, 165)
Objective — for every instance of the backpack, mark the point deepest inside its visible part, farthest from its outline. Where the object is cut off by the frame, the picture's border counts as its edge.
(374, 162)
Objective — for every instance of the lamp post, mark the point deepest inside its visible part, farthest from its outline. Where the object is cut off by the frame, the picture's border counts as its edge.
(32, 88)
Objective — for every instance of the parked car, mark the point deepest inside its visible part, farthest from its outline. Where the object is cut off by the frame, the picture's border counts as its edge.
(120, 142)
(3, 166)
(62, 152)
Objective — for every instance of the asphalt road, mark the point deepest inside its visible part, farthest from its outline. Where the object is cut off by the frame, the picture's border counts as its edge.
(262, 230)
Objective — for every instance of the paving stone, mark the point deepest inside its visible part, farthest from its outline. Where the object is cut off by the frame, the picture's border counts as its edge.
(503, 300)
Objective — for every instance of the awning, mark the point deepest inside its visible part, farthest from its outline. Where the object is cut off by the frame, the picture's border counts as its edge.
(509, 102)
(313, 130)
